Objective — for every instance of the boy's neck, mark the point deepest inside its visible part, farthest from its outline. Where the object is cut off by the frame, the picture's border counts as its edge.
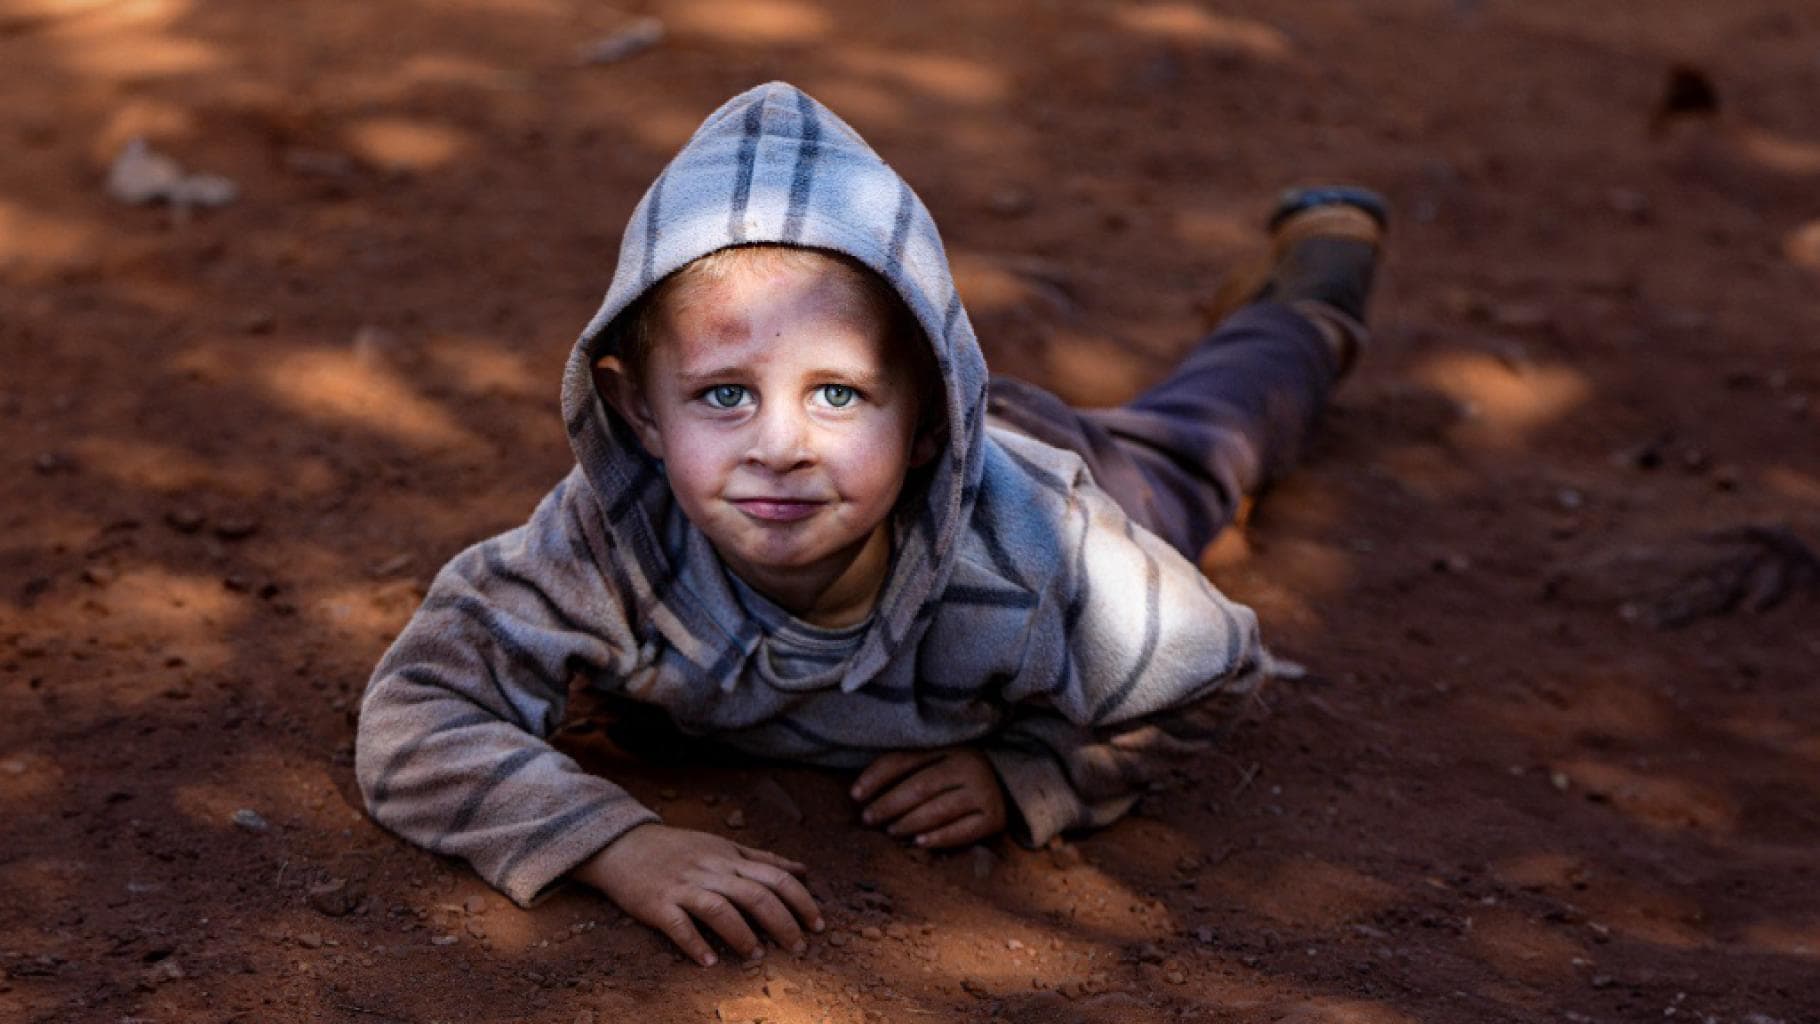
(839, 591)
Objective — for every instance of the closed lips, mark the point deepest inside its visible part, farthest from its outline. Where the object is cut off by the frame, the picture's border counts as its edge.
(778, 508)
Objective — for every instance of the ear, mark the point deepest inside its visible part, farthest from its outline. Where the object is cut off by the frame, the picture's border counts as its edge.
(927, 445)
(627, 398)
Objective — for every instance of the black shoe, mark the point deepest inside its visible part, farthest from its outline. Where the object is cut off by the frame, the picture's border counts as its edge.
(1325, 243)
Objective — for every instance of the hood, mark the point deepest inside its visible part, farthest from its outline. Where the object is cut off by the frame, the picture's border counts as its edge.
(772, 165)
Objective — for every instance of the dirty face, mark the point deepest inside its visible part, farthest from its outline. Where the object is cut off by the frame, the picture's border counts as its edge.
(786, 419)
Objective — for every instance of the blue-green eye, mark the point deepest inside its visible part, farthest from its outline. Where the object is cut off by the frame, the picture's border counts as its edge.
(838, 395)
(726, 396)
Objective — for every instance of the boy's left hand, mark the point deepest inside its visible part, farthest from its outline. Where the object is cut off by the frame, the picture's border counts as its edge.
(942, 797)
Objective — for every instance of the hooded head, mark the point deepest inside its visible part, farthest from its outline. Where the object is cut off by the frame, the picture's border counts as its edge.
(773, 167)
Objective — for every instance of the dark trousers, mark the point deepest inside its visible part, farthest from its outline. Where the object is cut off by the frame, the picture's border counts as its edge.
(1180, 457)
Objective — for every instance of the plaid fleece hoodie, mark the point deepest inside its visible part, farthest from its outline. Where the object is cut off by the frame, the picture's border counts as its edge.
(1024, 612)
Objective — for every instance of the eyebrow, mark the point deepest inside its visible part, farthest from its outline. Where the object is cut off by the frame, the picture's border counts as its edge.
(867, 382)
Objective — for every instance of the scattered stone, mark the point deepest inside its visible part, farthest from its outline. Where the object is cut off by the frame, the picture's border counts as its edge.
(773, 793)
(310, 940)
(1570, 499)
(99, 575)
(746, 1010)
(443, 940)
(1176, 977)
(1147, 953)
(250, 820)
(1013, 945)
(1559, 780)
(52, 463)
(371, 343)
(871, 933)
(237, 527)
(1205, 935)
(1063, 854)
(475, 904)
(1628, 203)
(1521, 316)
(141, 175)
(1011, 201)
(184, 519)
(318, 163)
(1454, 562)
(333, 898)
(838, 939)
(975, 989)
(640, 35)
(395, 564)
(736, 819)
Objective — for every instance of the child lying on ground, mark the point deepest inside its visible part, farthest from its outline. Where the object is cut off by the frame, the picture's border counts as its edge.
(805, 522)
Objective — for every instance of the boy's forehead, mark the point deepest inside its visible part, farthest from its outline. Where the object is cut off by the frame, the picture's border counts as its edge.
(753, 307)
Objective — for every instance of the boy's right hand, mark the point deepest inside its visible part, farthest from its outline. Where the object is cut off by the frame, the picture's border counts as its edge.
(669, 878)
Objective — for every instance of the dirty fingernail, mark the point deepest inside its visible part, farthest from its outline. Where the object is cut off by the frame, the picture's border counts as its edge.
(708, 960)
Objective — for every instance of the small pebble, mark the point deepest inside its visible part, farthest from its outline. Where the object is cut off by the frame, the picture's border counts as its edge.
(250, 820)
(237, 527)
(443, 940)
(310, 940)
(637, 37)
(736, 819)
(184, 519)
(871, 933)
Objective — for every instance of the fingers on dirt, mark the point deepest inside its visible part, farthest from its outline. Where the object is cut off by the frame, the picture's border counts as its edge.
(788, 889)
(935, 812)
(913, 792)
(970, 829)
(677, 925)
(718, 912)
(889, 768)
(765, 907)
(766, 857)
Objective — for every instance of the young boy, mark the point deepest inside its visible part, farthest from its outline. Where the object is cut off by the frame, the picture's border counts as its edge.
(804, 521)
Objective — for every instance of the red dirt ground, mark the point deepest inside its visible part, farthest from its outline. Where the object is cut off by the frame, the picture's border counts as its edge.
(237, 443)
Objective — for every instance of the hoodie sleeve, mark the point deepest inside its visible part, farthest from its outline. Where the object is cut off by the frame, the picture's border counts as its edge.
(1128, 643)
(451, 752)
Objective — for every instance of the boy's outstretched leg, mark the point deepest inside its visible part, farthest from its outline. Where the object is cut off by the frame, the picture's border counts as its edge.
(1181, 456)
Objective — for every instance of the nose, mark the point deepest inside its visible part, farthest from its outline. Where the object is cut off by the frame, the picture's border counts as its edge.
(781, 439)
